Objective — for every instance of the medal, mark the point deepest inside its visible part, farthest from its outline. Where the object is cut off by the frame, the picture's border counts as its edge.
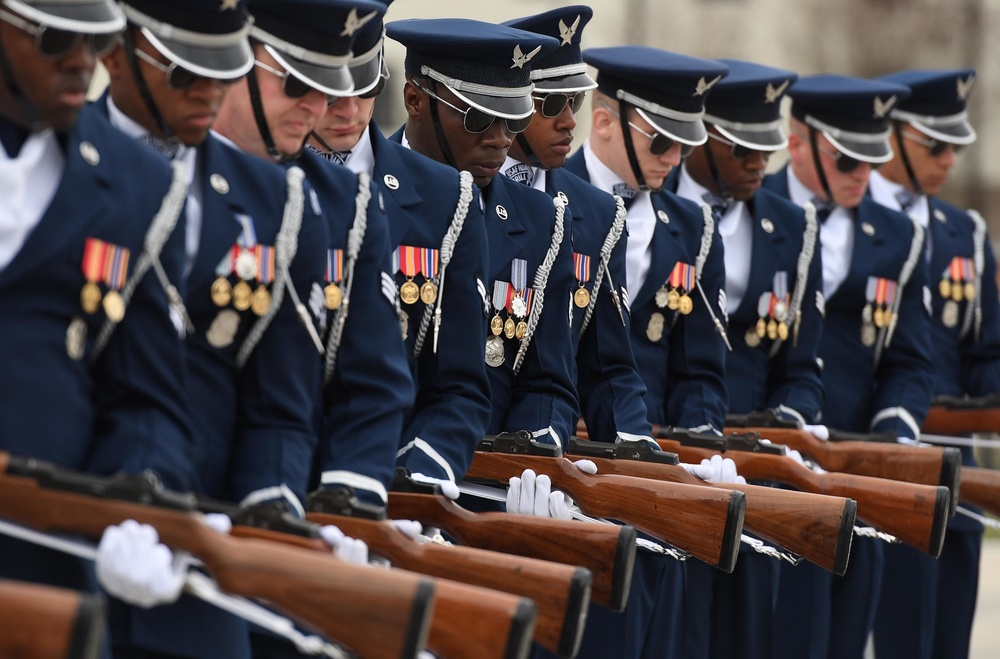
(246, 264)
(90, 297)
(429, 262)
(223, 329)
(509, 328)
(783, 330)
(76, 338)
(751, 337)
(405, 259)
(260, 301)
(241, 296)
(518, 306)
(780, 289)
(761, 328)
(944, 288)
(244, 261)
(968, 274)
(581, 298)
(673, 300)
(494, 351)
(949, 313)
(334, 296)
(114, 306)
(501, 294)
(676, 282)
(409, 292)
(661, 297)
(428, 292)
(520, 330)
(654, 330)
(581, 264)
(496, 325)
(772, 329)
(94, 258)
(763, 309)
(685, 306)
(879, 317)
(867, 335)
(221, 292)
(957, 292)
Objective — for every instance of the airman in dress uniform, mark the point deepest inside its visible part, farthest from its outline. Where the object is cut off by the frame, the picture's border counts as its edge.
(928, 605)
(437, 238)
(772, 275)
(93, 364)
(875, 347)
(647, 112)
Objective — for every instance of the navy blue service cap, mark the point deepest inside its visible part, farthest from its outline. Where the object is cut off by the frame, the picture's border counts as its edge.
(84, 16)
(312, 39)
(667, 89)
(853, 113)
(488, 66)
(746, 105)
(937, 103)
(562, 70)
(368, 66)
(207, 37)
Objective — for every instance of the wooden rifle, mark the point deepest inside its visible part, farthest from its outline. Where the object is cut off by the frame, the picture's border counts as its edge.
(560, 592)
(981, 487)
(381, 613)
(916, 514)
(701, 521)
(817, 527)
(43, 622)
(953, 415)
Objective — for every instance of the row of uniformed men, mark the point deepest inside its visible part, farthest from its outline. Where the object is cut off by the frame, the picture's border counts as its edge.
(250, 387)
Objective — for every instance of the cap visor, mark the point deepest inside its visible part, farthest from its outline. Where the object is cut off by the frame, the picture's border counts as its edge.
(688, 132)
(874, 152)
(223, 63)
(367, 75)
(568, 84)
(765, 140)
(95, 17)
(332, 80)
(505, 107)
(957, 133)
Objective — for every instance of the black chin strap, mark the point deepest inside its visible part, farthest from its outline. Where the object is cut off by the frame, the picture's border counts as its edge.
(260, 118)
(529, 153)
(442, 139)
(633, 161)
(140, 83)
(813, 142)
(897, 130)
(714, 171)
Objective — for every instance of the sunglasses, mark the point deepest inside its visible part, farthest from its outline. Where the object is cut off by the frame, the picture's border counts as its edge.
(477, 121)
(53, 43)
(846, 164)
(934, 147)
(553, 104)
(177, 76)
(658, 142)
(738, 151)
(292, 86)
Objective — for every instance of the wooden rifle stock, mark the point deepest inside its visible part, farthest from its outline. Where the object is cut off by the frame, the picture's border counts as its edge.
(43, 622)
(916, 514)
(607, 551)
(817, 527)
(963, 416)
(379, 613)
(705, 523)
(981, 487)
(561, 592)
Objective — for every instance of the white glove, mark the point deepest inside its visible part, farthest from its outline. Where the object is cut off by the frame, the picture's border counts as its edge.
(448, 488)
(795, 455)
(133, 566)
(702, 470)
(346, 548)
(411, 528)
(723, 470)
(532, 494)
(819, 431)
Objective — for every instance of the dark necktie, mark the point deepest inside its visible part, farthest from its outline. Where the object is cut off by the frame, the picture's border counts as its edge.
(719, 205)
(823, 208)
(166, 148)
(906, 200)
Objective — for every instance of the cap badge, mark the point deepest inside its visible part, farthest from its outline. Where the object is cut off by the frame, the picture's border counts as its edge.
(353, 23)
(520, 59)
(229, 4)
(567, 33)
(772, 93)
(703, 86)
(882, 107)
(964, 86)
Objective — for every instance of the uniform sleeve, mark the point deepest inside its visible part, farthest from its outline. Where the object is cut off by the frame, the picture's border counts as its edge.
(981, 358)
(371, 388)
(697, 396)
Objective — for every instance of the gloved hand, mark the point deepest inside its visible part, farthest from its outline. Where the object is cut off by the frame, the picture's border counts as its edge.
(818, 431)
(532, 494)
(135, 567)
(448, 488)
(346, 548)
(723, 470)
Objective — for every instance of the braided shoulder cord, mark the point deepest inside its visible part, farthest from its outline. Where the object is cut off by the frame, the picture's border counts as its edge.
(699, 264)
(974, 310)
(285, 246)
(447, 250)
(916, 250)
(541, 279)
(355, 238)
(801, 275)
(617, 228)
(156, 237)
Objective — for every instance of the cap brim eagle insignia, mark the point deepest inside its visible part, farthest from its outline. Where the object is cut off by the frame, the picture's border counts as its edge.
(567, 33)
(772, 93)
(353, 23)
(882, 107)
(520, 59)
(703, 86)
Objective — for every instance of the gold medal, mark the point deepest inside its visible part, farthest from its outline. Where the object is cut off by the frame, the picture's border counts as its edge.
(520, 330)
(772, 329)
(496, 325)
(260, 302)
(241, 296)
(221, 292)
(673, 299)
(428, 292)
(970, 290)
(944, 288)
(114, 306)
(783, 331)
(949, 313)
(509, 328)
(581, 297)
(409, 292)
(685, 305)
(654, 330)
(751, 337)
(867, 335)
(494, 351)
(90, 297)
(661, 298)
(334, 296)
(957, 292)
(761, 328)
(878, 317)
(76, 338)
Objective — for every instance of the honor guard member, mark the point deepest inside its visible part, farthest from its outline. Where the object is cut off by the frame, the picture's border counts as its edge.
(439, 259)
(928, 605)
(93, 364)
(875, 346)
(608, 383)
(468, 93)
(772, 275)
(646, 114)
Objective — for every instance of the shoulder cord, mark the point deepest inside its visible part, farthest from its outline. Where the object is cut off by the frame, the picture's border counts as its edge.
(617, 228)
(801, 276)
(699, 265)
(447, 249)
(156, 237)
(285, 245)
(355, 238)
(541, 279)
(916, 249)
(974, 310)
